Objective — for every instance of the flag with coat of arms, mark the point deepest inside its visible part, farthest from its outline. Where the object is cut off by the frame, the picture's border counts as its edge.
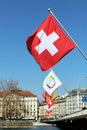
(51, 82)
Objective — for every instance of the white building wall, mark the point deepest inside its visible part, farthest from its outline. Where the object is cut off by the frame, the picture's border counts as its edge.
(67, 104)
(31, 105)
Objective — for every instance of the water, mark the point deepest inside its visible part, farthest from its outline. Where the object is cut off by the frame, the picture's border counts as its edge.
(43, 128)
(35, 128)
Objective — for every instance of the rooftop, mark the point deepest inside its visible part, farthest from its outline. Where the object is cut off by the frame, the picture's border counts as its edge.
(18, 92)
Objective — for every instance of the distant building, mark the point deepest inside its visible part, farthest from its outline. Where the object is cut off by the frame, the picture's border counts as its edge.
(18, 104)
(75, 100)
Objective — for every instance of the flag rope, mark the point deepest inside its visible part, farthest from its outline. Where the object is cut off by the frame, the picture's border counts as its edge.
(67, 33)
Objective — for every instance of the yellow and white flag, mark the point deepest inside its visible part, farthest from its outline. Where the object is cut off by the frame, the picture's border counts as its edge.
(51, 82)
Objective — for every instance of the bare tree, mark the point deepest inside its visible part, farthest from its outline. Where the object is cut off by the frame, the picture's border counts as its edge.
(12, 103)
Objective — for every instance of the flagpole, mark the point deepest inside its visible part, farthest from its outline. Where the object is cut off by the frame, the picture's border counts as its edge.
(67, 33)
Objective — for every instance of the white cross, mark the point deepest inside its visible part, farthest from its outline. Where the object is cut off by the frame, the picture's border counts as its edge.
(47, 42)
(50, 103)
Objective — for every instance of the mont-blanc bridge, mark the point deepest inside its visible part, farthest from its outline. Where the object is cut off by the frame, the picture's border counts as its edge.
(77, 120)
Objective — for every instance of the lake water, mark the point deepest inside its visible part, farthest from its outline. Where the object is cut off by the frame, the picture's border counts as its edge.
(43, 128)
(35, 128)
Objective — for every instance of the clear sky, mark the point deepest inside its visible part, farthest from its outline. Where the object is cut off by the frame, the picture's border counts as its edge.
(18, 20)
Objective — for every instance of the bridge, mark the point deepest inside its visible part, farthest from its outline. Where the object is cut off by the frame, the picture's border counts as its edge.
(74, 120)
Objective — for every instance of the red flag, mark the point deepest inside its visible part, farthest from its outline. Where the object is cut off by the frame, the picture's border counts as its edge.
(48, 44)
(50, 102)
(48, 113)
(46, 95)
(48, 110)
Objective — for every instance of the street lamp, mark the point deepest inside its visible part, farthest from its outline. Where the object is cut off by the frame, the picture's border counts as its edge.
(79, 82)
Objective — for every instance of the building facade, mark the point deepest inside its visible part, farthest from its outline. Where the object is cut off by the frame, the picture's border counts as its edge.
(18, 105)
(66, 104)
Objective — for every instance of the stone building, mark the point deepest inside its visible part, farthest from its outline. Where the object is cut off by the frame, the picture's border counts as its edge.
(75, 100)
(18, 104)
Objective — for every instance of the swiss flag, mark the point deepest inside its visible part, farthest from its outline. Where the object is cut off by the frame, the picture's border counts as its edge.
(48, 44)
(48, 113)
(50, 102)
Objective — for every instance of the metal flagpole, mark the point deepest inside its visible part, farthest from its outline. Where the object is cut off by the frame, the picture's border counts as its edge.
(67, 33)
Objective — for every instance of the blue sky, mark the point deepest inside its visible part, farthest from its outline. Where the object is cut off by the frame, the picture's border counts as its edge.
(18, 20)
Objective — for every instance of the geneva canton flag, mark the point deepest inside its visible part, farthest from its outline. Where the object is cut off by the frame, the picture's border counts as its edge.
(48, 44)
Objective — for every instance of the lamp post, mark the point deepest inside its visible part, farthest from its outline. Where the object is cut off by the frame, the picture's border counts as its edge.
(80, 80)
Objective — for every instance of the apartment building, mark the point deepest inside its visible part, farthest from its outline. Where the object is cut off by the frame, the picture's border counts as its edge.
(74, 100)
(59, 109)
(18, 104)
(66, 104)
